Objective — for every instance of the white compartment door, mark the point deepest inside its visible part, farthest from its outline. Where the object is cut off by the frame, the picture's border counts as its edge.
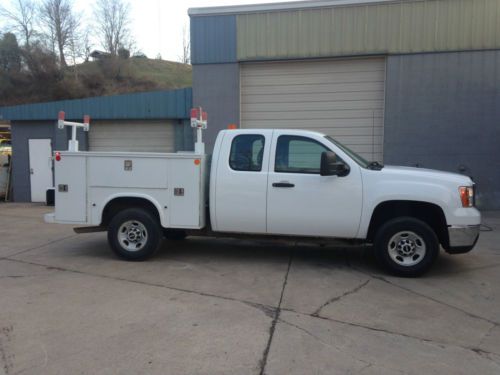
(40, 154)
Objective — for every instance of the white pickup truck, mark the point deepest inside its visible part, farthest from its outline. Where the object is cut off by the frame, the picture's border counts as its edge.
(286, 184)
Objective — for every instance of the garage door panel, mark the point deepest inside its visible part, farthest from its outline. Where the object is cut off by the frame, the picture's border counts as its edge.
(319, 88)
(311, 97)
(315, 123)
(320, 67)
(306, 115)
(307, 79)
(133, 136)
(315, 106)
(344, 99)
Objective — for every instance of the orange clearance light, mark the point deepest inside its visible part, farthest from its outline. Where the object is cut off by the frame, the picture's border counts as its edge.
(58, 156)
(197, 161)
(232, 126)
(61, 115)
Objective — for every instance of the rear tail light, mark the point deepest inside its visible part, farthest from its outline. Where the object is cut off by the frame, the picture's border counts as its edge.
(466, 195)
(58, 156)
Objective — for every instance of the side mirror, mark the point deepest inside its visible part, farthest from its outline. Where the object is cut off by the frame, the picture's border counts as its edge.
(330, 166)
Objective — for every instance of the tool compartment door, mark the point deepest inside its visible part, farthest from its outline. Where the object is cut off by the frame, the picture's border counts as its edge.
(71, 189)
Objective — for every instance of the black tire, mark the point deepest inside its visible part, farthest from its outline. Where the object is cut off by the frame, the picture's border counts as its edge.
(174, 234)
(406, 246)
(141, 222)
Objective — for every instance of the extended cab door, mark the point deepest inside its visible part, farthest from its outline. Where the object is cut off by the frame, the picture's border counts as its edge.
(238, 191)
(300, 201)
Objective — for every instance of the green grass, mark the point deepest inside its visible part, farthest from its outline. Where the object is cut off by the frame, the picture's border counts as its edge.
(129, 75)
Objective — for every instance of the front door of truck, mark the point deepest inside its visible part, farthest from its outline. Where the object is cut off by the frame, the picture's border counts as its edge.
(241, 182)
(302, 202)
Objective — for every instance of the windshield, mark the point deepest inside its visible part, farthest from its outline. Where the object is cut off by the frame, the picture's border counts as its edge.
(358, 159)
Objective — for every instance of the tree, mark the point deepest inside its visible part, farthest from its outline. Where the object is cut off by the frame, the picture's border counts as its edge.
(113, 19)
(10, 54)
(61, 26)
(21, 17)
(186, 47)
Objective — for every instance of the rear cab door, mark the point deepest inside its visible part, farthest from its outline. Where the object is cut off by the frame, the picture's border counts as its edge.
(238, 186)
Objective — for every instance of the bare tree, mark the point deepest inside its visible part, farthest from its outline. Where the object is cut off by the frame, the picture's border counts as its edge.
(186, 47)
(113, 19)
(21, 18)
(61, 26)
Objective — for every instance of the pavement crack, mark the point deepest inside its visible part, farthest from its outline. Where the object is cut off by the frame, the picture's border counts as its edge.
(268, 310)
(337, 298)
(259, 306)
(272, 329)
(38, 246)
(442, 345)
(469, 314)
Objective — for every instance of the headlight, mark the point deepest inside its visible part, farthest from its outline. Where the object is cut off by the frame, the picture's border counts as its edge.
(466, 195)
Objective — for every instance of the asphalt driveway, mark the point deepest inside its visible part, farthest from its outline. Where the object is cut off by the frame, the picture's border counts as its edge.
(207, 306)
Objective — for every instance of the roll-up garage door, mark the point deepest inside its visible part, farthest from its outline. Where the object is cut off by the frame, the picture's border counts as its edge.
(149, 136)
(341, 98)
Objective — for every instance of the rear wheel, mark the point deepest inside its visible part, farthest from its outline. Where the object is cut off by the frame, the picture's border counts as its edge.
(406, 246)
(134, 234)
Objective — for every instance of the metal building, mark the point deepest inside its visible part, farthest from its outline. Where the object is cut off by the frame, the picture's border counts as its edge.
(412, 82)
(150, 121)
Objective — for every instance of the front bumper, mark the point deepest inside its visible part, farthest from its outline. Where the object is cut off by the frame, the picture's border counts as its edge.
(462, 238)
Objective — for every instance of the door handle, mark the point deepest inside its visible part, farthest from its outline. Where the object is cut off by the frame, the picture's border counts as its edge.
(283, 184)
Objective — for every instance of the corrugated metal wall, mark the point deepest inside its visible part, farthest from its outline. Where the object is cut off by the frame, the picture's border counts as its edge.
(399, 27)
(173, 104)
(443, 111)
(213, 39)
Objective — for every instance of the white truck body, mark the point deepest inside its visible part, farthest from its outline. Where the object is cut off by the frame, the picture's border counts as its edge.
(271, 186)
(87, 181)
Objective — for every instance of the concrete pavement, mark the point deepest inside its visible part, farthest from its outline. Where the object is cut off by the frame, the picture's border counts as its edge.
(207, 306)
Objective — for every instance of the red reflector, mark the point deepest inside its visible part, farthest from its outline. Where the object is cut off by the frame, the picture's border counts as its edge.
(195, 113)
(58, 156)
(204, 116)
(61, 115)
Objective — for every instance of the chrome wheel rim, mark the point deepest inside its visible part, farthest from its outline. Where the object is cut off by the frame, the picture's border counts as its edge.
(132, 235)
(406, 248)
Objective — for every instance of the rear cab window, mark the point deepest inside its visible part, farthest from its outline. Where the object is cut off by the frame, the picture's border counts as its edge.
(247, 151)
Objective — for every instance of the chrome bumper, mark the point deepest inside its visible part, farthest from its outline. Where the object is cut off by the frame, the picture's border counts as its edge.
(463, 236)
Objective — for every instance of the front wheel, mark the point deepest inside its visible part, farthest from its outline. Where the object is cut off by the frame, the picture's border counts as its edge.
(406, 246)
(134, 234)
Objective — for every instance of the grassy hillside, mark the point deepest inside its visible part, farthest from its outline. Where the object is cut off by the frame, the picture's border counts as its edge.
(46, 81)
(119, 76)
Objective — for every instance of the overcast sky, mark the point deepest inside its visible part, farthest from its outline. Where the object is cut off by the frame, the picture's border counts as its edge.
(157, 24)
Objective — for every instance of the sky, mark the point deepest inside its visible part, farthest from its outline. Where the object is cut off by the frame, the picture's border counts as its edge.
(157, 25)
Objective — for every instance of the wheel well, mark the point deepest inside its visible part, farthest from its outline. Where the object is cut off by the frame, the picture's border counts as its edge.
(118, 204)
(429, 213)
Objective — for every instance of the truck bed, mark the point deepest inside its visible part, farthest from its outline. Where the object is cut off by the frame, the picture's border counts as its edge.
(85, 182)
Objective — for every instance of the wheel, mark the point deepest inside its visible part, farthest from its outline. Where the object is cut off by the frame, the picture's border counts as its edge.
(406, 246)
(134, 234)
(174, 234)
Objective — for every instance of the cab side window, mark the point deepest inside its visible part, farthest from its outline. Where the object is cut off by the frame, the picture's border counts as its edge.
(296, 154)
(247, 151)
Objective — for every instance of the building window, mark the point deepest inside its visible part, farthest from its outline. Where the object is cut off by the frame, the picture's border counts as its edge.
(295, 154)
(246, 153)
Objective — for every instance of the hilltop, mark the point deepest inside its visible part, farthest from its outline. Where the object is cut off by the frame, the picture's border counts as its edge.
(108, 76)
